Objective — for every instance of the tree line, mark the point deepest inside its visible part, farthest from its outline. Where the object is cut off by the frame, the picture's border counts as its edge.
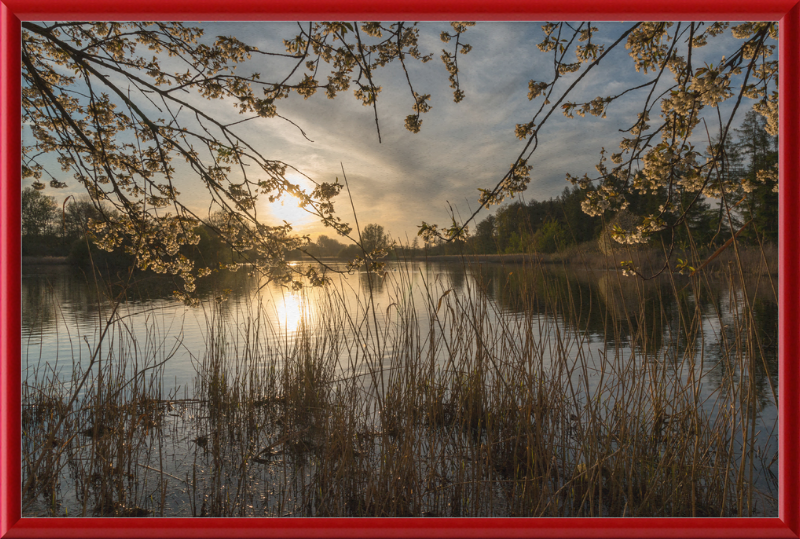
(548, 226)
(87, 90)
(50, 229)
(66, 230)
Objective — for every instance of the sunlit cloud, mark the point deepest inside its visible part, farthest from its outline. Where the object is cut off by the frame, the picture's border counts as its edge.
(409, 178)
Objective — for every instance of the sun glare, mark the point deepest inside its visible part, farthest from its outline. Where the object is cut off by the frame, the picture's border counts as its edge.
(289, 310)
(288, 209)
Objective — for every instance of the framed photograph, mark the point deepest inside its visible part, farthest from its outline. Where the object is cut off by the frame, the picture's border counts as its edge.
(370, 270)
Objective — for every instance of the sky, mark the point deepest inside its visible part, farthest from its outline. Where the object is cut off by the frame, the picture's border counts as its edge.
(408, 178)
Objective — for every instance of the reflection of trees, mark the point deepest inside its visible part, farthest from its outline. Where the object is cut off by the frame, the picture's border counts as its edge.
(600, 303)
(661, 318)
(762, 337)
(736, 344)
(372, 282)
(38, 305)
(53, 288)
(234, 285)
(457, 275)
(765, 310)
(49, 297)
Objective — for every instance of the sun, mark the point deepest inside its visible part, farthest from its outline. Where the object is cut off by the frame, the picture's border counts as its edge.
(288, 209)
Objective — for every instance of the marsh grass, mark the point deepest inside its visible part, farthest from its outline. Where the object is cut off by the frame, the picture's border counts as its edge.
(438, 404)
(99, 425)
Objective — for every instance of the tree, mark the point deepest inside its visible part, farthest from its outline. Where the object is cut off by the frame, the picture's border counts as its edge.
(373, 238)
(99, 95)
(328, 246)
(578, 226)
(549, 238)
(673, 166)
(77, 218)
(759, 179)
(485, 240)
(350, 253)
(38, 212)
(510, 222)
(659, 151)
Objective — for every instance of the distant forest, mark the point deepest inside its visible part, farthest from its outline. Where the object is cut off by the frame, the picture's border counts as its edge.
(551, 225)
(547, 226)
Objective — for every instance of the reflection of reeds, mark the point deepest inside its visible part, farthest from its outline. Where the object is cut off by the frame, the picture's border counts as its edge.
(446, 408)
(99, 427)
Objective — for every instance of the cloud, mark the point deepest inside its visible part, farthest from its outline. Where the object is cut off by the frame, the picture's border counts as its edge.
(408, 178)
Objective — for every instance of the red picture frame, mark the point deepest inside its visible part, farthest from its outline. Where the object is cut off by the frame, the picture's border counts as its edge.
(787, 524)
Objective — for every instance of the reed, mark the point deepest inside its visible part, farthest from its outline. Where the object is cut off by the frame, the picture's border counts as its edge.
(441, 403)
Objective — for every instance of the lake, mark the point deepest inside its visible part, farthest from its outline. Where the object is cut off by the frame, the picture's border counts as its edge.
(692, 349)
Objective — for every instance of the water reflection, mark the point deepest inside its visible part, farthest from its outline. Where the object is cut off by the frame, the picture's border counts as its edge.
(373, 282)
(713, 339)
(290, 311)
(648, 316)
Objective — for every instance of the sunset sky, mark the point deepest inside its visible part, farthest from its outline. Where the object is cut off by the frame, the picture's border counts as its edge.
(410, 177)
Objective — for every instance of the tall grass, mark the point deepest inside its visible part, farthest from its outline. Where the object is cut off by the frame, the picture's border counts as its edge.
(90, 435)
(441, 403)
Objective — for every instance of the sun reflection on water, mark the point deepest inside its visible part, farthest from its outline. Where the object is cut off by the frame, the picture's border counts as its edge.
(290, 309)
